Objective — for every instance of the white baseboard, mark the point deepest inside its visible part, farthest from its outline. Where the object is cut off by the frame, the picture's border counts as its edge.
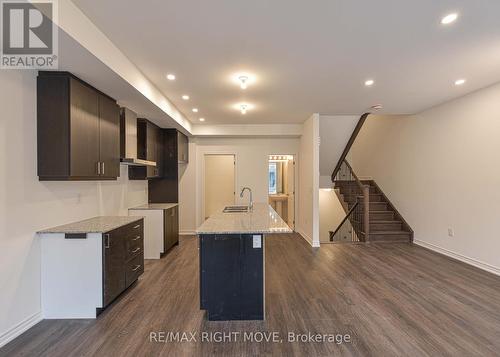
(471, 261)
(307, 238)
(21, 327)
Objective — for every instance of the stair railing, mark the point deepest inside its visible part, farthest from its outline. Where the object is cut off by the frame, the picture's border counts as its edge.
(358, 215)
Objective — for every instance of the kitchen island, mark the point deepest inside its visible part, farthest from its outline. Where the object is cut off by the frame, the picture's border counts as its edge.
(232, 264)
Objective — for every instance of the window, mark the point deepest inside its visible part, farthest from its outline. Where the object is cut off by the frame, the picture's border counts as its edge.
(272, 178)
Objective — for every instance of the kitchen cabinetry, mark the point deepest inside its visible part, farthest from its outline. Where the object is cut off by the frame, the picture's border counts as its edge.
(161, 227)
(175, 152)
(123, 259)
(149, 148)
(171, 228)
(86, 265)
(78, 130)
(232, 276)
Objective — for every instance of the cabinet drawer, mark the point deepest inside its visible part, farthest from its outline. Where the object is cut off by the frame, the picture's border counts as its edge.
(134, 246)
(134, 268)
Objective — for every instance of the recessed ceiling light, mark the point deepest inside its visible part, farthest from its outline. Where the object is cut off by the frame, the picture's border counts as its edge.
(171, 77)
(369, 82)
(448, 19)
(243, 108)
(185, 97)
(195, 110)
(459, 82)
(202, 119)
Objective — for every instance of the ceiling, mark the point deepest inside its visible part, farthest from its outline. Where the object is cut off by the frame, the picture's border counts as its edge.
(308, 56)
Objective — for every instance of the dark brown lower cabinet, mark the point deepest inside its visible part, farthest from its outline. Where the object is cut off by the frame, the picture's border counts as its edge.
(123, 259)
(170, 228)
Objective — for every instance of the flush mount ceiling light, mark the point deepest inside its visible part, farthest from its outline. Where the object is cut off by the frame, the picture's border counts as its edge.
(460, 82)
(243, 82)
(243, 79)
(377, 107)
(369, 82)
(185, 97)
(202, 119)
(195, 110)
(171, 77)
(243, 107)
(448, 19)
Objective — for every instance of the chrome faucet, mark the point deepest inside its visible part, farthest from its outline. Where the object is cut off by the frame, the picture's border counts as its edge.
(250, 204)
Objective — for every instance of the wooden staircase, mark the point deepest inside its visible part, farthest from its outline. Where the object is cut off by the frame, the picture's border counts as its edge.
(386, 224)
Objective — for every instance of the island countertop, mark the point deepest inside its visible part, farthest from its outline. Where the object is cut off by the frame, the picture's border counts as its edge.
(101, 224)
(263, 219)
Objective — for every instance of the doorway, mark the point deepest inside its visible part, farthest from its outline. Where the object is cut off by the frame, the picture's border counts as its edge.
(281, 188)
(219, 187)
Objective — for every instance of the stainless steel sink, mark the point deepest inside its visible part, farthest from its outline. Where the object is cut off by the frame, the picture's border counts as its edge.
(235, 209)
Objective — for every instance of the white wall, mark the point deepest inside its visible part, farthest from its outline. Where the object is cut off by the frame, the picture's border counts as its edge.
(440, 169)
(308, 195)
(27, 205)
(334, 132)
(251, 170)
(331, 213)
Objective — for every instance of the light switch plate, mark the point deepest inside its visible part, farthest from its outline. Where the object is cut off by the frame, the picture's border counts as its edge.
(257, 241)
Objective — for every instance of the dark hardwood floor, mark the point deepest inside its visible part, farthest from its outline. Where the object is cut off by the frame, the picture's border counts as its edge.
(393, 300)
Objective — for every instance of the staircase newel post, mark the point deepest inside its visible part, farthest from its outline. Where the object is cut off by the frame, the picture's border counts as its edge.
(366, 198)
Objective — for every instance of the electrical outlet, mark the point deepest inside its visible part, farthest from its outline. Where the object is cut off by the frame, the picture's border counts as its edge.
(451, 233)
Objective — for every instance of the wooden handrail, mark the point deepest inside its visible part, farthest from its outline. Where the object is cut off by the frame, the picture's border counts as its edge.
(343, 221)
(354, 134)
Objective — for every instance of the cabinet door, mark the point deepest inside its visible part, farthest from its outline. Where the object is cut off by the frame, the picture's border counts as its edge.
(175, 225)
(109, 137)
(84, 127)
(252, 277)
(113, 248)
(182, 148)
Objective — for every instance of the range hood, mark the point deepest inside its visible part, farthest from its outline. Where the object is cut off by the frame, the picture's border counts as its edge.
(128, 140)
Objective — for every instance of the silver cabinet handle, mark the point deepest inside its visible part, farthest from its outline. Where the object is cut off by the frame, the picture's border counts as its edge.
(136, 250)
(98, 168)
(106, 241)
(138, 226)
(136, 238)
(102, 167)
(136, 268)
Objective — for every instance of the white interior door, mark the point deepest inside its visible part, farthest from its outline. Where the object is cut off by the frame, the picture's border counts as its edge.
(219, 182)
(290, 181)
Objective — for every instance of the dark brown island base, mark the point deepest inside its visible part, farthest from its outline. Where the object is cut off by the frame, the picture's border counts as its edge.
(232, 264)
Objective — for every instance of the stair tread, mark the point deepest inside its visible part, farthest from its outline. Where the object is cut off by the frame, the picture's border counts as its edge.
(389, 232)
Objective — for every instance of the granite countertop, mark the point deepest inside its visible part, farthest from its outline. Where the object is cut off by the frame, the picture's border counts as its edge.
(263, 219)
(93, 225)
(152, 206)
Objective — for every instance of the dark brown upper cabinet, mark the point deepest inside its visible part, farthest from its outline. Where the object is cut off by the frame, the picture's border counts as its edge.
(149, 148)
(175, 154)
(78, 130)
(182, 148)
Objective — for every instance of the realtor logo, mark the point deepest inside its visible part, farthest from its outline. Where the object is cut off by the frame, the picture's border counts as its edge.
(29, 35)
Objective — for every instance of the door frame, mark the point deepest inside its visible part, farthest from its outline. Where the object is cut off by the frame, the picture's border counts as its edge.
(295, 184)
(211, 153)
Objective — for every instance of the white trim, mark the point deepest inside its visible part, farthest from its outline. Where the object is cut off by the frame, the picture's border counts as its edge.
(307, 238)
(471, 261)
(20, 328)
